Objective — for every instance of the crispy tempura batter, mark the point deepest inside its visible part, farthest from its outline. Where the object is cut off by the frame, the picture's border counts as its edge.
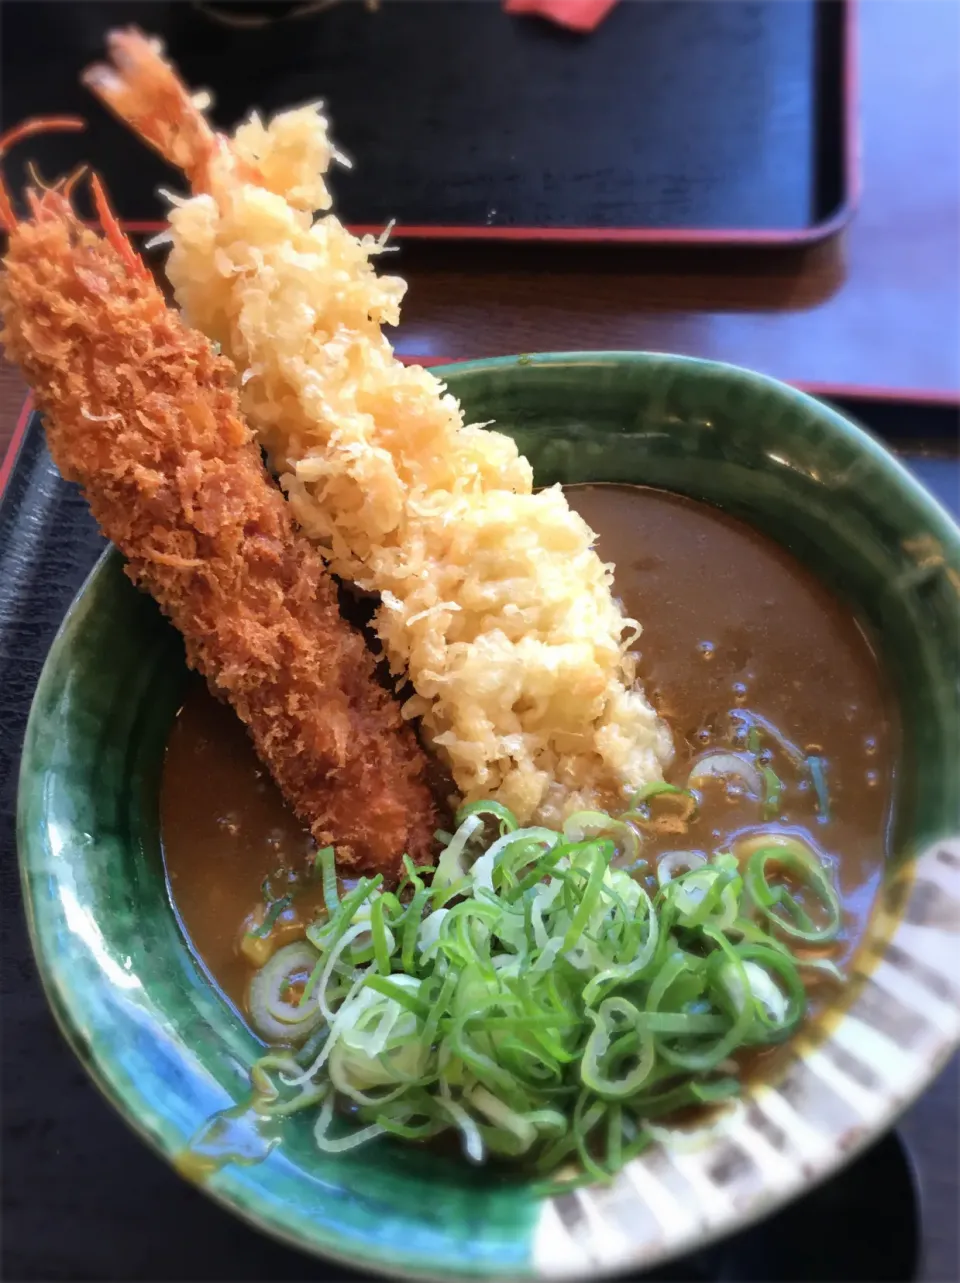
(143, 414)
(494, 604)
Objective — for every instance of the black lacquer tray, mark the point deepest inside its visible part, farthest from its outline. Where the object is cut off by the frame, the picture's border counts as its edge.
(693, 122)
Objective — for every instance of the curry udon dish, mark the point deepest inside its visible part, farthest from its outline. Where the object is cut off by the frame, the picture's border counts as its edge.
(560, 994)
(533, 819)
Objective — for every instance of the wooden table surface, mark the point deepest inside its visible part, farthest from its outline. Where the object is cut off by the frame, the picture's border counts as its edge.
(878, 306)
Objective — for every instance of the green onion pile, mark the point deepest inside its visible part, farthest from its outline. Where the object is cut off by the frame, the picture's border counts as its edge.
(534, 996)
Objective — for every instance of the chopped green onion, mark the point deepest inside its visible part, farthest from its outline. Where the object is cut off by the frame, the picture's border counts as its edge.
(534, 999)
(496, 810)
(594, 824)
(772, 791)
(352, 1141)
(602, 853)
(268, 1098)
(411, 928)
(618, 1036)
(270, 918)
(325, 863)
(671, 861)
(722, 765)
(641, 811)
(818, 777)
(754, 721)
(451, 867)
(657, 789)
(389, 989)
(275, 1017)
(799, 861)
(381, 951)
(825, 966)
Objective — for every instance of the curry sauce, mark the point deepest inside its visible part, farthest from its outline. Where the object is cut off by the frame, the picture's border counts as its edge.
(735, 632)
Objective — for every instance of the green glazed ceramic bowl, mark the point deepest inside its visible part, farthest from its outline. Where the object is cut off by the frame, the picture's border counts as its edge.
(164, 1049)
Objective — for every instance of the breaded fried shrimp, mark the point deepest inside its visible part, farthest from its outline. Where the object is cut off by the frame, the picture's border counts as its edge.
(142, 412)
(493, 602)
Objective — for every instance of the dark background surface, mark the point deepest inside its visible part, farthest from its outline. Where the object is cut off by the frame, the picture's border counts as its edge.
(83, 1198)
(691, 115)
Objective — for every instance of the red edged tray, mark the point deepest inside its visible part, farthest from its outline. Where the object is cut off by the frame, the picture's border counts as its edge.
(693, 123)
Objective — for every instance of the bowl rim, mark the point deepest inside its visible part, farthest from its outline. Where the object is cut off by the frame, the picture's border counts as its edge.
(846, 426)
(56, 983)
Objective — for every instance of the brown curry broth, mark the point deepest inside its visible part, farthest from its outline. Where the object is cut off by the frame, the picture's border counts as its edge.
(225, 828)
(730, 620)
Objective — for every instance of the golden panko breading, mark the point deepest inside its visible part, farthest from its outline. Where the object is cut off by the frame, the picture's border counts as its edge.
(494, 603)
(141, 412)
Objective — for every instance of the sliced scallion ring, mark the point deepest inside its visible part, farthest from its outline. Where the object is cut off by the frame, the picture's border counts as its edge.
(772, 792)
(785, 910)
(535, 1000)
(275, 1017)
(726, 765)
(663, 807)
(495, 810)
(672, 863)
(818, 777)
(593, 824)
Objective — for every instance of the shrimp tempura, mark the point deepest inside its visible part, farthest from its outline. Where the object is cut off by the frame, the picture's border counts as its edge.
(494, 603)
(141, 411)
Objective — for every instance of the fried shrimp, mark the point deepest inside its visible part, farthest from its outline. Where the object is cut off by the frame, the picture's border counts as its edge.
(142, 412)
(494, 603)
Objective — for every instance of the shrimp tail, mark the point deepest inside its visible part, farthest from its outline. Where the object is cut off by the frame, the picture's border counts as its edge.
(57, 199)
(141, 88)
